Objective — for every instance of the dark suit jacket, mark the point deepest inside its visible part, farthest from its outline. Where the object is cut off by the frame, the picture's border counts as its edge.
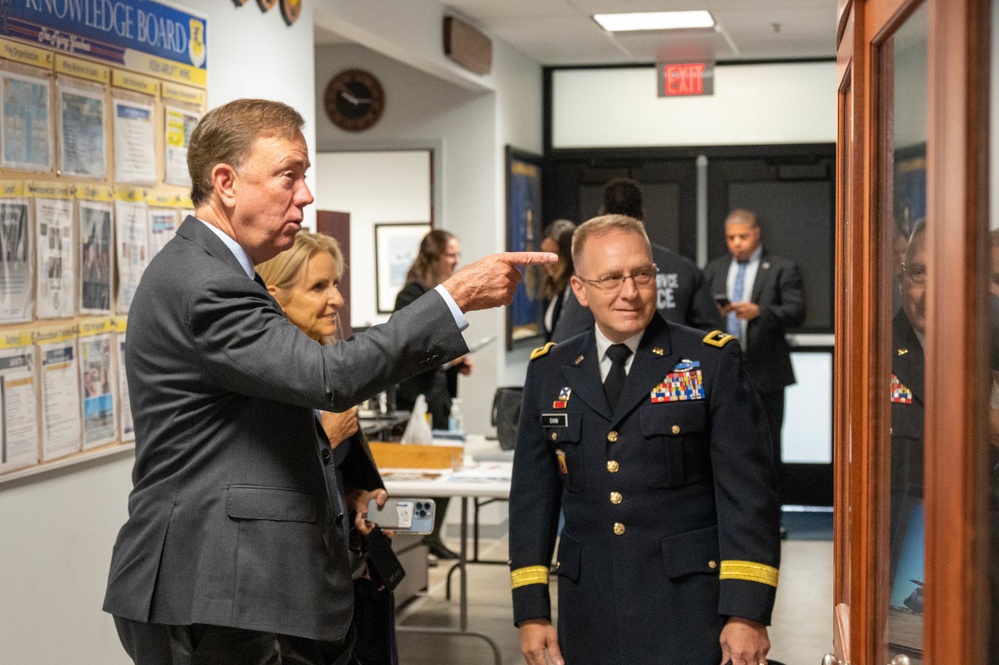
(780, 294)
(682, 296)
(671, 512)
(233, 517)
(437, 385)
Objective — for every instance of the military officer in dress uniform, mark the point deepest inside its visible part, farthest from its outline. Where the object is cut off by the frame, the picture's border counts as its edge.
(651, 439)
(907, 381)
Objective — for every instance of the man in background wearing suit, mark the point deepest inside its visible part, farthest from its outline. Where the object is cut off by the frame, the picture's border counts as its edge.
(236, 545)
(651, 439)
(682, 295)
(766, 299)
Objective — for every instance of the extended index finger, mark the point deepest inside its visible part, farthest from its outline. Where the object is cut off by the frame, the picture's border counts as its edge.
(527, 258)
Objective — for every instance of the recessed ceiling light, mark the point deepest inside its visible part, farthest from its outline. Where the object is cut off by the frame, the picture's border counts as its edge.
(700, 18)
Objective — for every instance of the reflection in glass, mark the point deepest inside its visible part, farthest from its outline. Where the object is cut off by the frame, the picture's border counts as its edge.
(903, 64)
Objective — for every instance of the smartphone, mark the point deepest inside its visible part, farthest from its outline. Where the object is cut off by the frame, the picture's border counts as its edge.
(404, 515)
(721, 300)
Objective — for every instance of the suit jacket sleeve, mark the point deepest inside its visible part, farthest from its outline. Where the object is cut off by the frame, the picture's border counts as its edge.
(247, 346)
(704, 313)
(573, 320)
(535, 501)
(745, 493)
(789, 308)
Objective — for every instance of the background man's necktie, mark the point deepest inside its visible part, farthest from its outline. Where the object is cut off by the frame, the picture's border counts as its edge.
(732, 322)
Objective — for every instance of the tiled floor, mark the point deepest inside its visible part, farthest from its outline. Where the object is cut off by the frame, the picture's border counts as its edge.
(801, 634)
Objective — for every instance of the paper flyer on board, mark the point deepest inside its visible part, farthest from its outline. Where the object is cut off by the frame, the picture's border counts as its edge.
(162, 227)
(126, 427)
(97, 378)
(179, 125)
(132, 249)
(82, 139)
(55, 270)
(134, 147)
(19, 434)
(16, 278)
(60, 382)
(96, 272)
(25, 116)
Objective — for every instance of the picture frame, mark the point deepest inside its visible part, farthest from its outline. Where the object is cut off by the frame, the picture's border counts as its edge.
(525, 315)
(396, 247)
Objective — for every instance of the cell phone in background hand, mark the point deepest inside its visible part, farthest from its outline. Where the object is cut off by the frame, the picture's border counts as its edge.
(722, 300)
(383, 565)
(404, 515)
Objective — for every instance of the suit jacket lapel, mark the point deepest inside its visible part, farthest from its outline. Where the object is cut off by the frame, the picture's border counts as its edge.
(584, 378)
(763, 274)
(194, 230)
(651, 364)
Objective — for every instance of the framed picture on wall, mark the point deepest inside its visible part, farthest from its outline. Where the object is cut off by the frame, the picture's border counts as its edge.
(524, 316)
(396, 247)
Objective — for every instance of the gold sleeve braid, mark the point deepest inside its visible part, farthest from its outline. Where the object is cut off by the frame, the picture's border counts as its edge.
(529, 575)
(749, 571)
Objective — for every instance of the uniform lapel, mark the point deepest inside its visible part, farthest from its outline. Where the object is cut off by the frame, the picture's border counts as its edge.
(583, 376)
(651, 364)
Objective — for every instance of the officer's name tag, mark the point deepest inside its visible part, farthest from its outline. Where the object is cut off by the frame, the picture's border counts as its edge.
(554, 420)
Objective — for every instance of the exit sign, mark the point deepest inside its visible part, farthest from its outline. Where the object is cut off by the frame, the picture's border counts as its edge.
(685, 79)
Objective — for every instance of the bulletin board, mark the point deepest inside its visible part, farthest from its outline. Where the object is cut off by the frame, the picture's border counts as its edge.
(97, 105)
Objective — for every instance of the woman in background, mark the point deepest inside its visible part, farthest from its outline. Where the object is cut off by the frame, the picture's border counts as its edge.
(304, 281)
(436, 261)
(557, 238)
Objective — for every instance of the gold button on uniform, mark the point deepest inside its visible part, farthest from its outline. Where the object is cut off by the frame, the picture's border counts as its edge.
(615, 498)
(558, 564)
(676, 429)
(618, 529)
(554, 436)
(612, 437)
(613, 466)
(712, 564)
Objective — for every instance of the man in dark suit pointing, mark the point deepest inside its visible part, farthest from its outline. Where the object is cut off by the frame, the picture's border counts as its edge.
(235, 549)
(766, 300)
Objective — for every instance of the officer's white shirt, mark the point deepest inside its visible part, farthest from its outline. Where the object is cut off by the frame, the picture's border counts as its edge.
(603, 344)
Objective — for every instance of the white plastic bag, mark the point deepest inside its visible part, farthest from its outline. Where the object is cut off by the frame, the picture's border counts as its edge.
(418, 429)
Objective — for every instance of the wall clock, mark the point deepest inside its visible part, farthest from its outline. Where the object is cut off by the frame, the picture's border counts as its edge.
(354, 100)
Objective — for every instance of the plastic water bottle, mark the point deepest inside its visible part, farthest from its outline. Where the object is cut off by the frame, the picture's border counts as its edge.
(455, 421)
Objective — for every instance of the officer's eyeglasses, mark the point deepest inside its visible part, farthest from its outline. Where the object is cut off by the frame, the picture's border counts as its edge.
(641, 277)
(916, 273)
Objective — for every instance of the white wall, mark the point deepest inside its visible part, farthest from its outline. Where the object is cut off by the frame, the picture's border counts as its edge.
(467, 129)
(57, 528)
(752, 105)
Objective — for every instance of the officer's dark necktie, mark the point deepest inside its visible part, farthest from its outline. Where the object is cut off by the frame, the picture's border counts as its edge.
(614, 383)
(733, 325)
